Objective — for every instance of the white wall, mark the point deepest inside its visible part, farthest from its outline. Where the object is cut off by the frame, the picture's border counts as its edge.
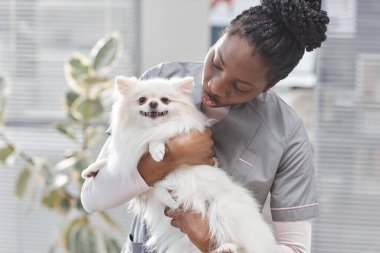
(173, 30)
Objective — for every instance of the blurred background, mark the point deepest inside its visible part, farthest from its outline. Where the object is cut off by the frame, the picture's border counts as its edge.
(57, 61)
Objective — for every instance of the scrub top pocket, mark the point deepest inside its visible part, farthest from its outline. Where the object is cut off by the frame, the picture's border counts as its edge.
(244, 165)
(133, 247)
(249, 171)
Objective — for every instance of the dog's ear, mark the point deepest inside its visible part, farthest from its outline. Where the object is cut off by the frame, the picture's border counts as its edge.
(185, 84)
(123, 84)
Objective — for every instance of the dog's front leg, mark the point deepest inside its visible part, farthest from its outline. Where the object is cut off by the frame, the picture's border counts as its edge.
(93, 169)
(157, 150)
(227, 247)
(164, 196)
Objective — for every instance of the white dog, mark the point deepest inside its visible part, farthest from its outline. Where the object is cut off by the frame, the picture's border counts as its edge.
(148, 113)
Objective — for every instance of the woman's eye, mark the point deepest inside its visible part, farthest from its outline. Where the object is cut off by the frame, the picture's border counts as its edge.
(165, 100)
(242, 87)
(142, 100)
(213, 62)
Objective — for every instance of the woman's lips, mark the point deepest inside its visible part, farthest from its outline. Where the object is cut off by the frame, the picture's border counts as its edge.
(207, 100)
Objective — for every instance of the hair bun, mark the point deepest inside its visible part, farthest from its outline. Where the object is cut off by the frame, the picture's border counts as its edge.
(304, 19)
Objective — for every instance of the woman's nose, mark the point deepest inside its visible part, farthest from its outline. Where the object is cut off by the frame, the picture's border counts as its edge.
(218, 87)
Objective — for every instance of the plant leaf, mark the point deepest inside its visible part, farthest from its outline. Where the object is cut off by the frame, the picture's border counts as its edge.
(109, 220)
(85, 109)
(66, 163)
(50, 199)
(70, 97)
(60, 180)
(87, 239)
(77, 69)
(82, 240)
(106, 53)
(93, 134)
(80, 165)
(5, 152)
(112, 245)
(53, 248)
(22, 182)
(75, 223)
(4, 94)
(45, 171)
(91, 80)
(64, 205)
(57, 199)
(65, 130)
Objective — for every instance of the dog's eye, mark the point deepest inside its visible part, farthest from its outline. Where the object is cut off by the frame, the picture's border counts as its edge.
(142, 100)
(165, 100)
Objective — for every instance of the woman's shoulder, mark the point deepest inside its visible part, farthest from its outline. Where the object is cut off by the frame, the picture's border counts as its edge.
(277, 116)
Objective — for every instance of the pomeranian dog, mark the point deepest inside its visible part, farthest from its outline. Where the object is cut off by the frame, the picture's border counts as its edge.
(146, 114)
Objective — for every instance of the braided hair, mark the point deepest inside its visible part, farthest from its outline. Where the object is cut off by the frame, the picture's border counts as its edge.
(281, 31)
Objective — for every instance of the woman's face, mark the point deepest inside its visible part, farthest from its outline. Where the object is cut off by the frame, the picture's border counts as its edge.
(232, 74)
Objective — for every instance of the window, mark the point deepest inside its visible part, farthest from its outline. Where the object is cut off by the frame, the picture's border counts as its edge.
(347, 141)
(36, 36)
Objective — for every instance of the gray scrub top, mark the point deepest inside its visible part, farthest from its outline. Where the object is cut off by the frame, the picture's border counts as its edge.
(263, 145)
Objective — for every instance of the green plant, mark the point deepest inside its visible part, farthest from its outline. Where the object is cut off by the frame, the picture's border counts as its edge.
(4, 93)
(59, 184)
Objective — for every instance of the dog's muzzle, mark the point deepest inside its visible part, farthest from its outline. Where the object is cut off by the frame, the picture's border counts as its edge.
(153, 114)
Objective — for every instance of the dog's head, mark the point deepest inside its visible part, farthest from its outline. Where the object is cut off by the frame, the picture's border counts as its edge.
(153, 100)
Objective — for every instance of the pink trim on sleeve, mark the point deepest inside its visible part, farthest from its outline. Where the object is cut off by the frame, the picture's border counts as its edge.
(294, 207)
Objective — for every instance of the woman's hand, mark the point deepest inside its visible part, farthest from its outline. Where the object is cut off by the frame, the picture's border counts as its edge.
(193, 148)
(193, 225)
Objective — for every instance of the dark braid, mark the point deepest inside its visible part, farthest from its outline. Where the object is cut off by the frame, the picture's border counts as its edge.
(280, 31)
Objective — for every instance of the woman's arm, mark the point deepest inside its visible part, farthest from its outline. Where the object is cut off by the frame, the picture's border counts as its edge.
(194, 148)
(109, 189)
(291, 237)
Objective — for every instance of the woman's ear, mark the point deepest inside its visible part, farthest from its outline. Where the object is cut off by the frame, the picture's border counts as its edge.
(124, 84)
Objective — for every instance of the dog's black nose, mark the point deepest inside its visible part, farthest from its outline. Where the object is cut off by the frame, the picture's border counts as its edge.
(153, 104)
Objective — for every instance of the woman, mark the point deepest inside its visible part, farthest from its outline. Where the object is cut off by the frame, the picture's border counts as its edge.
(259, 139)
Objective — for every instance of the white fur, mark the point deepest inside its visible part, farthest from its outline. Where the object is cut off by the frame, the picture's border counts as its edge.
(236, 224)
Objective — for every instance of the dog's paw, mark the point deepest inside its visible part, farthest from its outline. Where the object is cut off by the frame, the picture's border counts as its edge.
(216, 162)
(227, 247)
(157, 150)
(170, 202)
(162, 194)
(93, 169)
(89, 172)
